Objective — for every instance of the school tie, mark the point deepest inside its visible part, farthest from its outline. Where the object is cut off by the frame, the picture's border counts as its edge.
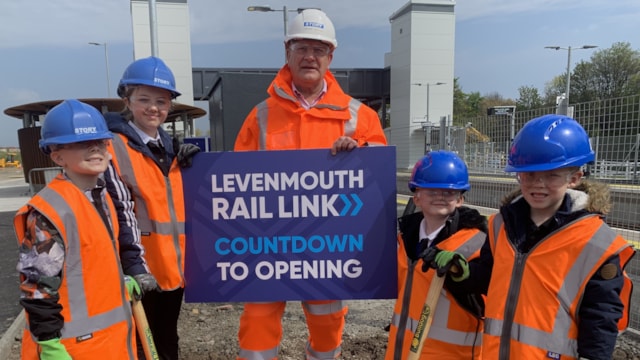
(422, 245)
(160, 154)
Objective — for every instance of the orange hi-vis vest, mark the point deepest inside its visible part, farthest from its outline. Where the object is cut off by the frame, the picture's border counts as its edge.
(547, 284)
(280, 123)
(98, 322)
(455, 333)
(159, 209)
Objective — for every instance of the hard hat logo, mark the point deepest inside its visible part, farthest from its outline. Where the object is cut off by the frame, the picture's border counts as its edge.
(313, 25)
(162, 81)
(86, 130)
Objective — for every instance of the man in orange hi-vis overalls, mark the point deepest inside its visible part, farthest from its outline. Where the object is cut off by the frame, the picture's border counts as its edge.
(306, 109)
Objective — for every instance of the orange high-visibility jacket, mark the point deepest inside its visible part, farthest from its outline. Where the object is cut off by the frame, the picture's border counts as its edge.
(547, 292)
(159, 209)
(98, 322)
(280, 123)
(454, 331)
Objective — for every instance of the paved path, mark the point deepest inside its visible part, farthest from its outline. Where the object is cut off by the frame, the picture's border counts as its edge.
(14, 193)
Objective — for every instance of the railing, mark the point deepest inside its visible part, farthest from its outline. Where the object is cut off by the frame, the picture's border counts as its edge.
(39, 177)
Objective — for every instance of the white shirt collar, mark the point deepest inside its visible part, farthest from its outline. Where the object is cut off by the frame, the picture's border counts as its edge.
(303, 102)
(424, 235)
(143, 136)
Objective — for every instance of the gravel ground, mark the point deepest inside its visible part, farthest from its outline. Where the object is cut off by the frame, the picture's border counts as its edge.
(209, 332)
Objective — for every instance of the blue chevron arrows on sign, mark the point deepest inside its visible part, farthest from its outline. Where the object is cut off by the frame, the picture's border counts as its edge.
(347, 204)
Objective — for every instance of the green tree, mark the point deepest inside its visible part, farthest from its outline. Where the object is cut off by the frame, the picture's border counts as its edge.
(553, 89)
(493, 99)
(610, 73)
(528, 98)
(459, 99)
(615, 71)
(465, 105)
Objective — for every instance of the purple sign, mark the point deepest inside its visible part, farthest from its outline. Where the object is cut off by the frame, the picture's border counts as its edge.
(291, 225)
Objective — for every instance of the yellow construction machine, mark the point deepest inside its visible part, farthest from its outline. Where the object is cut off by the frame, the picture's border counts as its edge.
(11, 160)
(474, 135)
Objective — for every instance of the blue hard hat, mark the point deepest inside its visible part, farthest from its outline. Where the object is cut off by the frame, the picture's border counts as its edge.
(72, 121)
(440, 170)
(150, 71)
(549, 142)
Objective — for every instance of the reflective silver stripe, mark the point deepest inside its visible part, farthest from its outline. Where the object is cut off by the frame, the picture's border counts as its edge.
(178, 227)
(317, 355)
(570, 290)
(262, 115)
(497, 224)
(324, 309)
(554, 341)
(439, 327)
(122, 158)
(351, 125)
(411, 325)
(440, 331)
(259, 355)
(81, 322)
(173, 228)
(162, 228)
(472, 245)
(283, 94)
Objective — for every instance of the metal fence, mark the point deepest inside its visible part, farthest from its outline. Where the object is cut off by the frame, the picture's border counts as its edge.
(613, 126)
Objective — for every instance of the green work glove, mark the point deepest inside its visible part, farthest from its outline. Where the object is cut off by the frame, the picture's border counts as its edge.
(53, 349)
(132, 287)
(445, 262)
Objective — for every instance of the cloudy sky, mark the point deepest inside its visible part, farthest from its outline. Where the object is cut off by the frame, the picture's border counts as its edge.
(44, 51)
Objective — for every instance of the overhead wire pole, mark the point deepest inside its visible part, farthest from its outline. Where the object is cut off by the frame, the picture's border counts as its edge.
(564, 108)
(427, 126)
(106, 64)
(286, 19)
(153, 28)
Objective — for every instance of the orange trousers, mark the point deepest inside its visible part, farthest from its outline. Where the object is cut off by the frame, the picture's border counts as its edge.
(261, 327)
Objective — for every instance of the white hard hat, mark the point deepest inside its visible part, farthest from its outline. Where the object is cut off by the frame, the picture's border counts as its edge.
(312, 24)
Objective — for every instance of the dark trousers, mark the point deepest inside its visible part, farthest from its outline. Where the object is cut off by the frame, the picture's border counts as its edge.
(162, 310)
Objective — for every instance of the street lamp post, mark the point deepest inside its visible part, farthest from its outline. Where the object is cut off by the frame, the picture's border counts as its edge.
(428, 85)
(564, 109)
(269, 9)
(427, 126)
(106, 64)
